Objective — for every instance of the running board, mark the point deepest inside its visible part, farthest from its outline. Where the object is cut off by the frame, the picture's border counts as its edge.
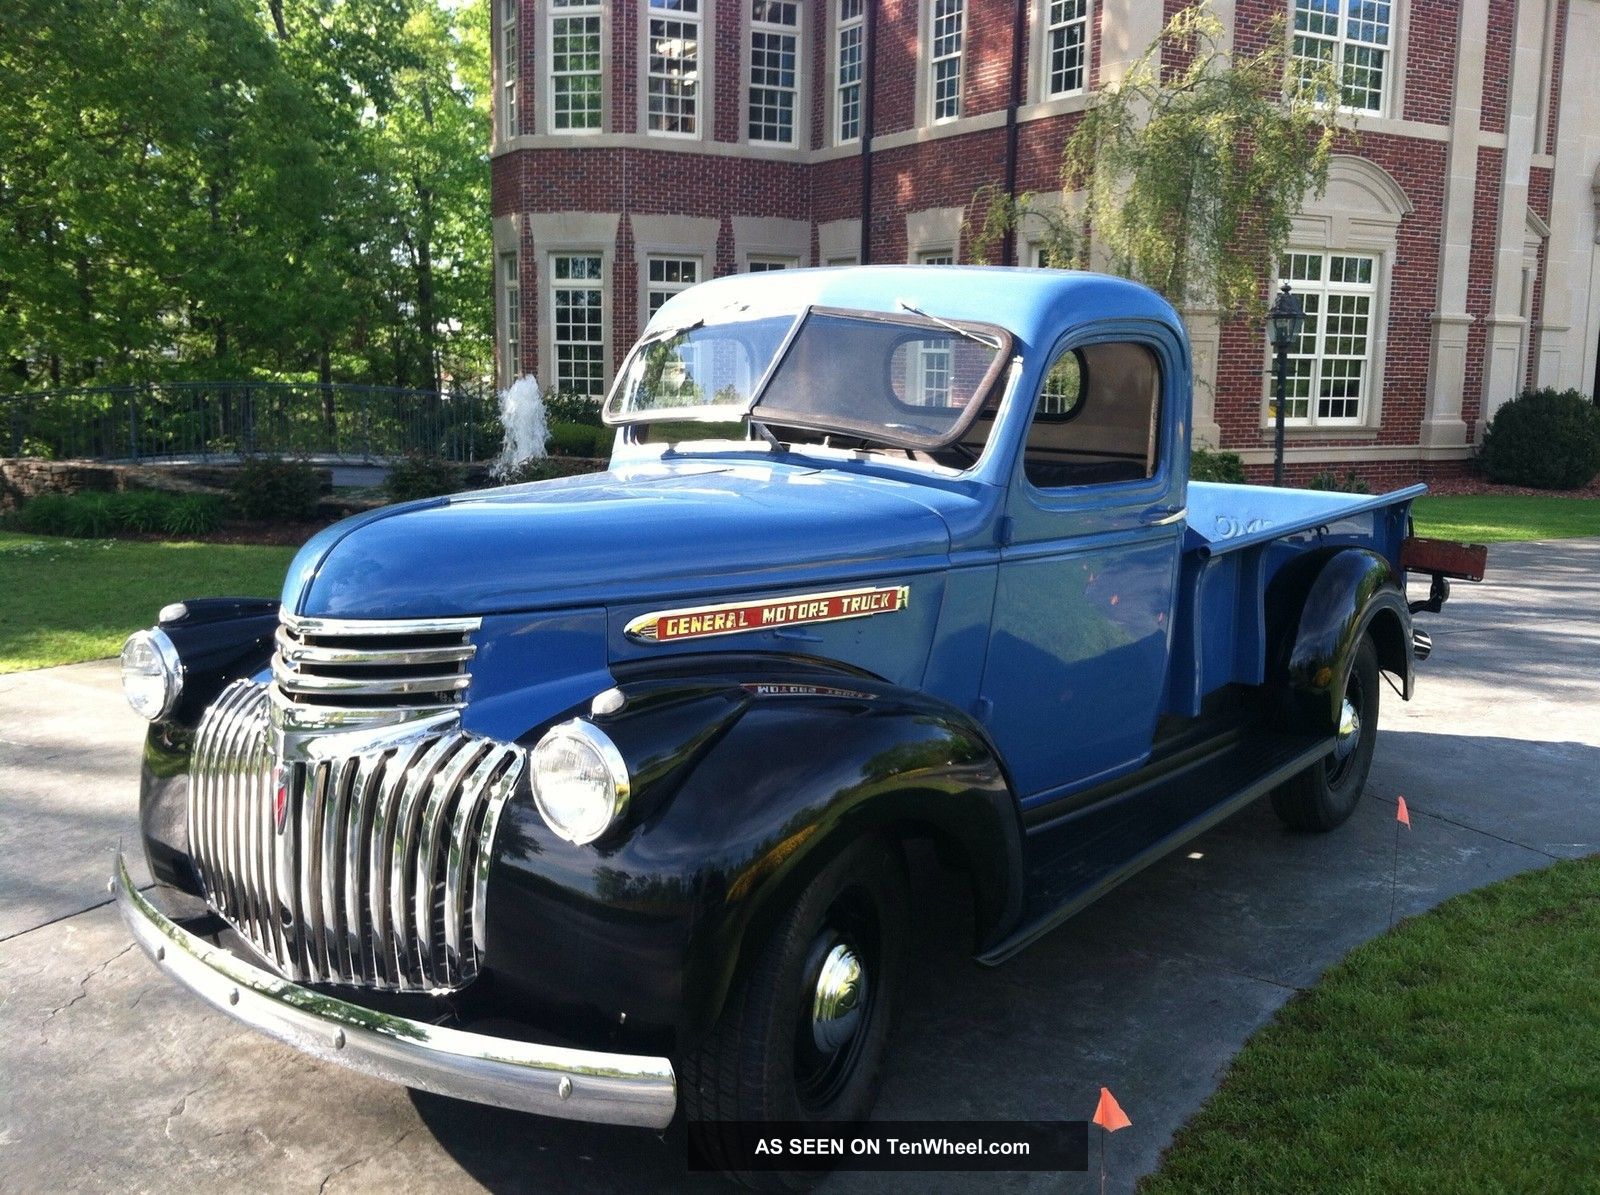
(1067, 858)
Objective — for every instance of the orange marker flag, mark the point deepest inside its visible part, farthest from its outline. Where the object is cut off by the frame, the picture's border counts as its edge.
(1108, 1114)
(1402, 815)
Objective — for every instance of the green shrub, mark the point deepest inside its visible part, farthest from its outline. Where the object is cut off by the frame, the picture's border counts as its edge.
(89, 516)
(141, 510)
(192, 514)
(1348, 484)
(46, 514)
(1210, 464)
(563, 406)
(271, 490)
(423, 477)
(1548, 439)
(578, 439)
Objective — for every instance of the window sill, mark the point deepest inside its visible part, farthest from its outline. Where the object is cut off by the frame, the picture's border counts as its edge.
(1353, 431)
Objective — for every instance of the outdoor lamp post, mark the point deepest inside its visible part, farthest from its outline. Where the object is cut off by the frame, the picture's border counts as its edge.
(1283, 329)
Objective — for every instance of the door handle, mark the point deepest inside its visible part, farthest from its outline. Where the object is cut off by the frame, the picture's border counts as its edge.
(1160, 516)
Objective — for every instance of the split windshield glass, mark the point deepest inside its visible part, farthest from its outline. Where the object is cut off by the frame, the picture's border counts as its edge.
(902, 381)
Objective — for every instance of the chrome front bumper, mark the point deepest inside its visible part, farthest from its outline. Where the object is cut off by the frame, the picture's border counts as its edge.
(549, 1080)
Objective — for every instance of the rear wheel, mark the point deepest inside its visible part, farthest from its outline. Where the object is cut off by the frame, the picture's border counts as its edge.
(1327, 793)
(804, 1035)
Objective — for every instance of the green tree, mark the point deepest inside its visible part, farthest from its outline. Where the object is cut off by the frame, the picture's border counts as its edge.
(243, 188)
(1189, 176)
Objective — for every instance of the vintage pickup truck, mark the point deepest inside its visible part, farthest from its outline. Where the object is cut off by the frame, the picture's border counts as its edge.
(593, 797)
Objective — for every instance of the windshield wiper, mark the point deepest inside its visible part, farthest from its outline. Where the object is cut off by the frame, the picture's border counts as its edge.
(992, 342)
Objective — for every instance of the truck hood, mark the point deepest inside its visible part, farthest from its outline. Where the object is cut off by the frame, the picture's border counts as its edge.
(636, 533)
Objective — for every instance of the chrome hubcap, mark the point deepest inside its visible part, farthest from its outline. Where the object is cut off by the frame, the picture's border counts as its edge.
(840, 996)
(1349, 729)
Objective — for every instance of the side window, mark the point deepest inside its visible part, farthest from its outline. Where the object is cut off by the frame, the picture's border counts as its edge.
(1097, 419)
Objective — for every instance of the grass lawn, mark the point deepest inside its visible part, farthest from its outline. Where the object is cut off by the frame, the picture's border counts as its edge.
(1459, 1053)
(1492, 518)
(64, 600)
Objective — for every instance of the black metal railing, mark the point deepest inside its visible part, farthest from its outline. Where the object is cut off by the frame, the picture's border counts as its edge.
(175, 420)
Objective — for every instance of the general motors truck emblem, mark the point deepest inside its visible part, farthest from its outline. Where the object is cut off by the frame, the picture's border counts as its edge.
(732, 618)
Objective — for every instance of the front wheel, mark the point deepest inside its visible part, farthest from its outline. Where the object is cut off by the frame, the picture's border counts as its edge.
(804, 1034)
(1327, 793)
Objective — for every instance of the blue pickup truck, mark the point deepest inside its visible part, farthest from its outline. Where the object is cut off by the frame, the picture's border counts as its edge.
(593, 797)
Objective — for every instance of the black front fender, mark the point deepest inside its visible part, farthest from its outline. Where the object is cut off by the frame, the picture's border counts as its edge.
(218, 640)
(745, 786)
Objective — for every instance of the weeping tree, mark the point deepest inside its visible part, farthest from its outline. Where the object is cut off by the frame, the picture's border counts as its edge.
(1189, 171)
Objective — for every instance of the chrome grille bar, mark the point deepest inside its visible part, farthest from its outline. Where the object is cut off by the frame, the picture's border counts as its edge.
(377, 875)
(374, 664)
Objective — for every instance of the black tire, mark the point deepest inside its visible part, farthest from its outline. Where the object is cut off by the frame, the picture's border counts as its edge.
(1325, 794)
(761, 1062)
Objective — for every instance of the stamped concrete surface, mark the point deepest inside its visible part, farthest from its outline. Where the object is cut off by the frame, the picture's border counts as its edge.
(113, 1079)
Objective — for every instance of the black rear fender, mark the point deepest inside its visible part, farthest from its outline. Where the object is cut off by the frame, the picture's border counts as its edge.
(1353, 593)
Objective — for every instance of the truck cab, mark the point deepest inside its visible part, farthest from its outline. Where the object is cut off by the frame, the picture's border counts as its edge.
(594, 797)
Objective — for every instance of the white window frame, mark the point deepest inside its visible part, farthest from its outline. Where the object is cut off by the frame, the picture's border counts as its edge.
(1309, 357)
(596, 285)
(762, 263)
(772, 29)
(850, 20)
(563, 10)
(510, 44)
(953, 50)
(665, 288)
(510, 273)
(683, 13)
(1060, 18)
(1342, 41)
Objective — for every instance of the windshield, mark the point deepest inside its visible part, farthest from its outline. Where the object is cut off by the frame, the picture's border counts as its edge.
(707, 372)
(902, 381)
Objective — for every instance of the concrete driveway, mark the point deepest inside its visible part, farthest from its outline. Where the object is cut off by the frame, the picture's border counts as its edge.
(113, 1079)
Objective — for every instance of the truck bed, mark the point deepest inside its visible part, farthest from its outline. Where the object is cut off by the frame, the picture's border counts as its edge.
(1237, 540)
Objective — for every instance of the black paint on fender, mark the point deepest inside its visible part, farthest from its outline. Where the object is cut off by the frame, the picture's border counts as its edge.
(218, 640)
(749, 776)
(1351, 592)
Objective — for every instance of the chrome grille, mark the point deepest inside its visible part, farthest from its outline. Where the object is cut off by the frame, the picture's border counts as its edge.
(376, 871)
(379, 664)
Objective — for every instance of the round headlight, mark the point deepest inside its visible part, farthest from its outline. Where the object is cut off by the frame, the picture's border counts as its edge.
(580, 781)
(152, 674)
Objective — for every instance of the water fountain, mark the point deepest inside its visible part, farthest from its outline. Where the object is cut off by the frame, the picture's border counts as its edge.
(522, 415)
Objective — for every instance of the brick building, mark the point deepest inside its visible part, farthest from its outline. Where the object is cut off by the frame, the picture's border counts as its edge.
(643, 145)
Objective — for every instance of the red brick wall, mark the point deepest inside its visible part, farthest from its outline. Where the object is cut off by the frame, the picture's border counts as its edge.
(1539, 201)
(1558, 55)
(1497, 64)
(1480, 277)
(896, 61)
(1431, 37)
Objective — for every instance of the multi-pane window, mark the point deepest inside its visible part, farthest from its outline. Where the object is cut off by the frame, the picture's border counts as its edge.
(667, 276)
(575, 87)
(849, 48)
(1066, 47)
(934, 361)
(949, 34)
(511, 314)
(761, 265)
(672, 85)
(510, 65)
(578, 302)
(1351, 37)
(1330, 366)
(774, 70)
